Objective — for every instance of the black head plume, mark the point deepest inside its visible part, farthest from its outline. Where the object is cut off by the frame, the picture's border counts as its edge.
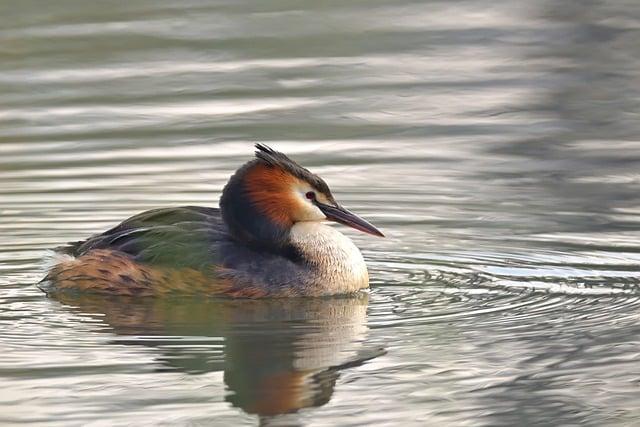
(275, 158)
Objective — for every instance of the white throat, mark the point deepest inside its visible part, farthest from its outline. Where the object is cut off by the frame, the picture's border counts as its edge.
(338, 262)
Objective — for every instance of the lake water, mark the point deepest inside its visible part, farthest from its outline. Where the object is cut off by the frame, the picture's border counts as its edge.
(496, 144)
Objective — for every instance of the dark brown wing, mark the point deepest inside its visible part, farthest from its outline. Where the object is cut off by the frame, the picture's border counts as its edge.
(182, 237)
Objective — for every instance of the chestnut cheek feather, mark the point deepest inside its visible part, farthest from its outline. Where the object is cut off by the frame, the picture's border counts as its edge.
(268, 188)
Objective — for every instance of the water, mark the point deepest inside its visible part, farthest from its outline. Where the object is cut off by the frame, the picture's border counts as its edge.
(495, 144)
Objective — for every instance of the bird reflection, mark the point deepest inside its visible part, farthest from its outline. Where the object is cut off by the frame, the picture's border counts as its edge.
(278, 355)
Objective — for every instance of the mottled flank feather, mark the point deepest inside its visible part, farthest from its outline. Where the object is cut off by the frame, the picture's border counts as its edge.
(114, 273)
(111, 272)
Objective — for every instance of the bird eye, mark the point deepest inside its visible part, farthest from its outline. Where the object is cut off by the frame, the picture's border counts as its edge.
(310, 195)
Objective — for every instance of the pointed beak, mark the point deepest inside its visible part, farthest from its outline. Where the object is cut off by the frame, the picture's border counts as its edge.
(343, 216)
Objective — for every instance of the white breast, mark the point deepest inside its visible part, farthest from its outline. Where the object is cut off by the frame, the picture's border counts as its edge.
(339, 263)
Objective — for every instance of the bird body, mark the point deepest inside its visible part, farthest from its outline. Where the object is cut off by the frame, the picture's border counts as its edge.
(267, 239)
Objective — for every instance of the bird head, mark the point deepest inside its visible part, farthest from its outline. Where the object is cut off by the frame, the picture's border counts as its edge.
(271, 193)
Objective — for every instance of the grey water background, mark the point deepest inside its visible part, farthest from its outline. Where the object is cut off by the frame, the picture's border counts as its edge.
(495, 143)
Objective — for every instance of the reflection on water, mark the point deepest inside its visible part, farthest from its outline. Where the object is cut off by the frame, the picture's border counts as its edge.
(496, 143)
(278, 356)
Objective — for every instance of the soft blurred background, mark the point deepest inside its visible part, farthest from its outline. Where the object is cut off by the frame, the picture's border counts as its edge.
(496, 143)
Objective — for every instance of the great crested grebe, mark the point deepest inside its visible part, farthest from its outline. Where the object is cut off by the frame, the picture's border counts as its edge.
(267, 239)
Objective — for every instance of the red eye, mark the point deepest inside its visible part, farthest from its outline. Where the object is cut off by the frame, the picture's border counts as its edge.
(310, 195)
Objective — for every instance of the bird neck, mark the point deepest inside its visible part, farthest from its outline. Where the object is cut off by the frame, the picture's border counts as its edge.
(337, 263)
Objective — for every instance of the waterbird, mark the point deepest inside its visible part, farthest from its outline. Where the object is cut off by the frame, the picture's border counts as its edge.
(268, 238)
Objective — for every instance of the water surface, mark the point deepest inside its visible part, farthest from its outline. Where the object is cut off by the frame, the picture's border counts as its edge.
(495, 144)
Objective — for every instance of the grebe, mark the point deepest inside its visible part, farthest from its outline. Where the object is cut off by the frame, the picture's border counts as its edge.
(267, 239)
